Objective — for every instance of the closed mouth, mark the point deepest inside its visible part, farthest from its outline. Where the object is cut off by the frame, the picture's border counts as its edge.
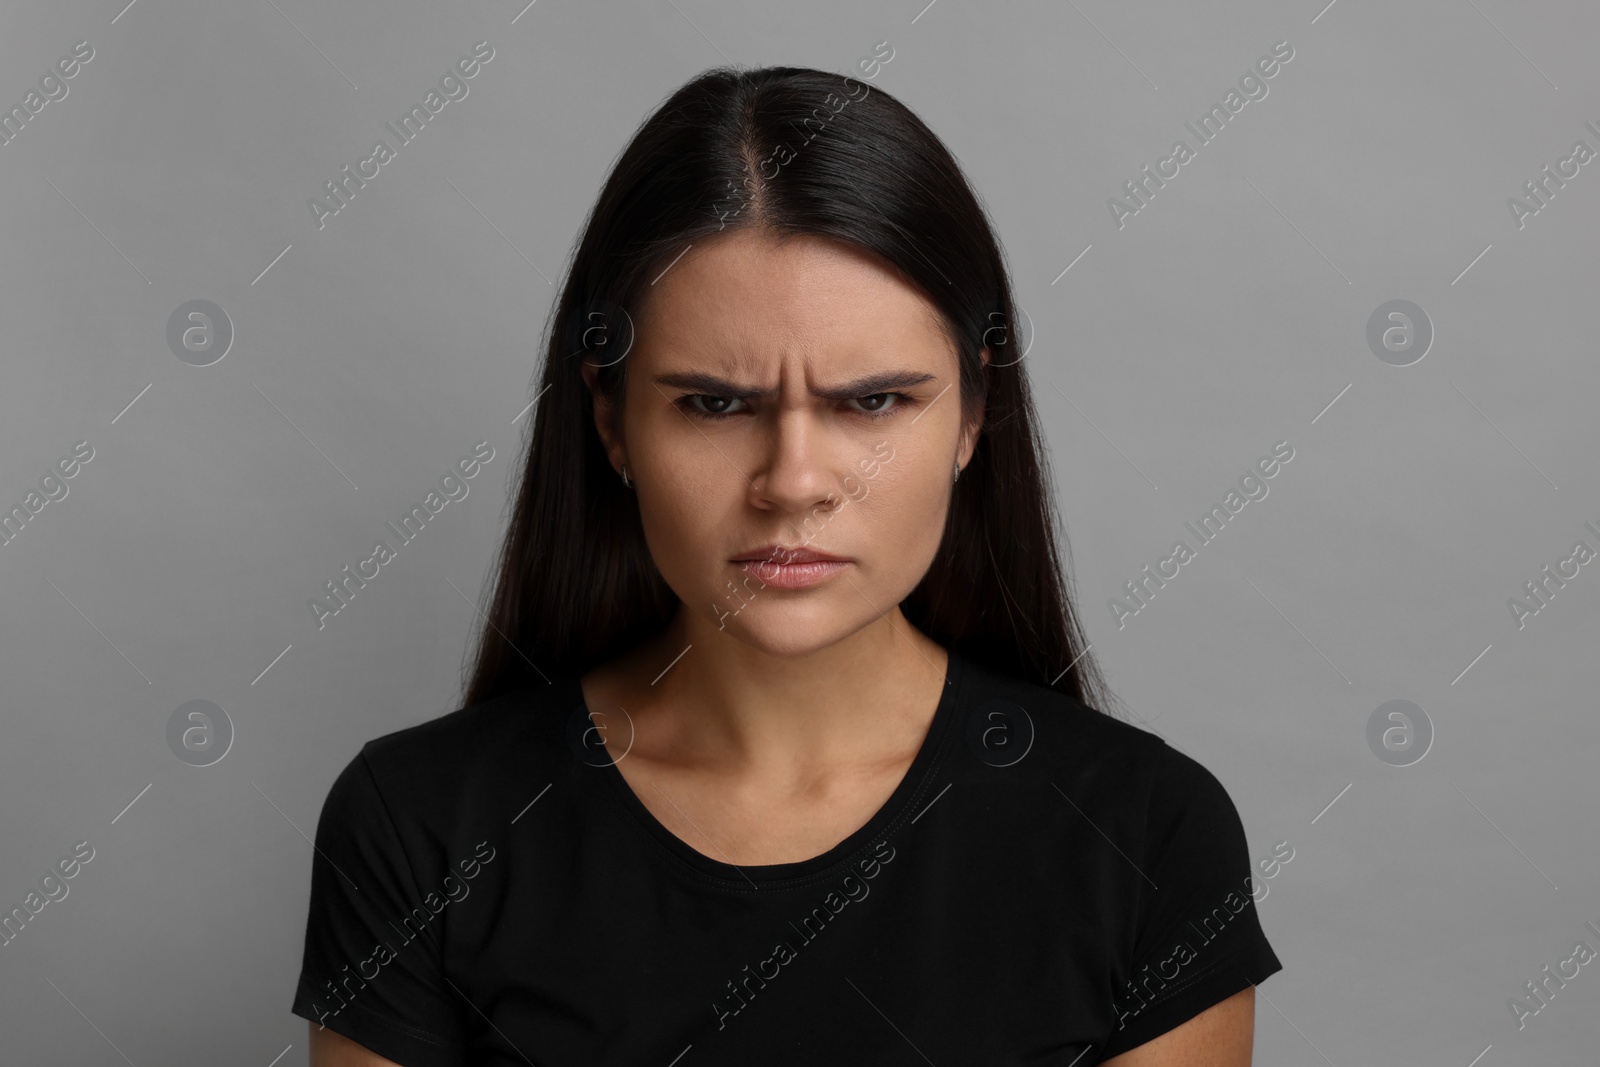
(781, 556)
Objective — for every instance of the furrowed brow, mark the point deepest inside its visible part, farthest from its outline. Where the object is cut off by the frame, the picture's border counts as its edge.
(889, 381)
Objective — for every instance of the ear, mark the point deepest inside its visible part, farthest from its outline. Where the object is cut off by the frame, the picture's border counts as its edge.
(971, 431)
(604, 414)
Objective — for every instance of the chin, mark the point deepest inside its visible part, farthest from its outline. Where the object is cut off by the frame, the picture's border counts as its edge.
(781, 631)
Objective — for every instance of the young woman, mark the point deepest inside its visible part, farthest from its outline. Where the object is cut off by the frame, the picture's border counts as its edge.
(782, 745)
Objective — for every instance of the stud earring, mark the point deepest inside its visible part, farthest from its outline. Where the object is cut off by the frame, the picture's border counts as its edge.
(957, 478)
(625, 480)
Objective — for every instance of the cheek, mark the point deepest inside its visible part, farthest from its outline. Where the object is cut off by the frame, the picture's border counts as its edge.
(896, 526)
(676, 518)
(679, 490)
(687, 513)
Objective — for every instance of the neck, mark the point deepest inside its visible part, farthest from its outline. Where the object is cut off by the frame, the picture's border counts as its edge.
(727, 704)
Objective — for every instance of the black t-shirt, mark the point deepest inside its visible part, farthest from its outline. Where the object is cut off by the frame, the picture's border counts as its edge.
(488, 890)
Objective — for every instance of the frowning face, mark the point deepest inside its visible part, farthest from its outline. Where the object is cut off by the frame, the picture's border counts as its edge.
(800, 395)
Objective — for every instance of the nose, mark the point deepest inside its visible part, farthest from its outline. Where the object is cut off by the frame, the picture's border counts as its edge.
(794, 468)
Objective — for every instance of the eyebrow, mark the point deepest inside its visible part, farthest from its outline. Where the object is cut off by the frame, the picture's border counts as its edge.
(867, 386)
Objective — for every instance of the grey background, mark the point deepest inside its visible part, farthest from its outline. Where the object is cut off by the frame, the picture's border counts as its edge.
(1229, 314)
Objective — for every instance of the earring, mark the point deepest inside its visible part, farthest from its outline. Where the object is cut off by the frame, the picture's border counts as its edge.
(957, 478)
(625, 480)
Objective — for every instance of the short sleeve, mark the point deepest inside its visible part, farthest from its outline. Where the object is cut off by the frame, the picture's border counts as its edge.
(371, 966)
(1197, 937)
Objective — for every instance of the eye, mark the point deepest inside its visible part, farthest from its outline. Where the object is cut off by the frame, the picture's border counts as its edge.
(884, 409)
(710, 406)
(687, 402)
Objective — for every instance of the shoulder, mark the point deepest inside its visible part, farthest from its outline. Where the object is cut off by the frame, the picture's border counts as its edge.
(1035, 743)
(1009, 722)
(468, 732)
(460, 765)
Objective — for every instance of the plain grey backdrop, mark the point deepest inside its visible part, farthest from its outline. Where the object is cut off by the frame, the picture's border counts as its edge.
(1170, 349)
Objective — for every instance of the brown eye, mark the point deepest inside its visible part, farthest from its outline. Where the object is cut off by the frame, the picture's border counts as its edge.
(877, 404)
(688, 403)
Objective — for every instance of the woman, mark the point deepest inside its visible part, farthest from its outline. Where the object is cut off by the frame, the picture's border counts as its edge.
(782, 742)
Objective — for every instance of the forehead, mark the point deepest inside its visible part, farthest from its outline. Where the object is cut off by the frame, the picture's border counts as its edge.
(742, 297)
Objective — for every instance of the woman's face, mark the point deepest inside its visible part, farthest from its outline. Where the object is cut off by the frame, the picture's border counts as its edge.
(798, 395)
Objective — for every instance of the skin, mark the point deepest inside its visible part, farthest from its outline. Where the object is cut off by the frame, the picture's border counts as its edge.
(769, 735)
(1221, 1036)
(329, 1049)
(744, 748)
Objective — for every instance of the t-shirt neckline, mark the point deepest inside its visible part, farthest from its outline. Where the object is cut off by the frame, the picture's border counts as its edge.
(903, 804)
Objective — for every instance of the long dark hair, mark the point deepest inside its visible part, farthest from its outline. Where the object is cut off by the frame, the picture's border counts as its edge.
(792, 151)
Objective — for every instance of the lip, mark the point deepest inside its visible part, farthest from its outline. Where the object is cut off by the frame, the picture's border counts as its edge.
(783, 556)
(792, 575)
